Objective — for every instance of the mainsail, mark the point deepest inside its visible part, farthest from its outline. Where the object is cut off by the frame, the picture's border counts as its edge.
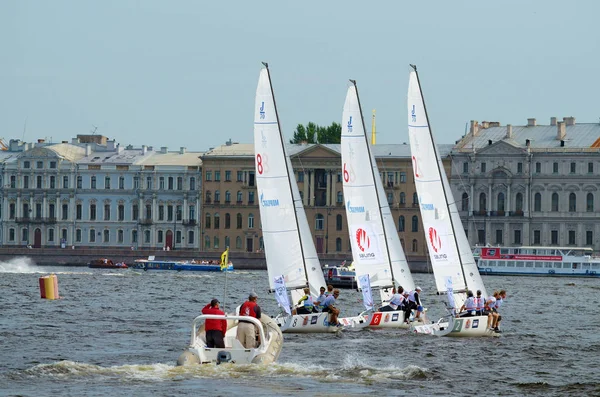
(289, 248)
(375, 244)
(451, 257)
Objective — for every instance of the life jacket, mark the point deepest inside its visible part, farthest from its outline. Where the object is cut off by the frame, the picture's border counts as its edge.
(308, 303)
(499, 302)
(479, 302)
(247, 309)
(470, 304)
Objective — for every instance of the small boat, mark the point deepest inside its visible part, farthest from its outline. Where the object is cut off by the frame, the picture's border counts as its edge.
(340, 276)
(538, 261)
(104, 263)
(268, 350)
(203, 266)
(452, 261)
(376, 248)
(289, 248)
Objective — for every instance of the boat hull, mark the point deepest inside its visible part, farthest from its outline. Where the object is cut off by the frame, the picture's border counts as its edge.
(178, 266)
(319, 323)
(265, 353)
(534, 272)
(475, 326)
(394, 319)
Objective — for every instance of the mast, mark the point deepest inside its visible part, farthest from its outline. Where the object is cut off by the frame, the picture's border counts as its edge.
(266, 65)
(438, 161)
(372, 128)
(387, 248)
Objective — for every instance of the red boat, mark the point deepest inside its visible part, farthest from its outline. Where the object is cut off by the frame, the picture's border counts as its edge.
(104, 263)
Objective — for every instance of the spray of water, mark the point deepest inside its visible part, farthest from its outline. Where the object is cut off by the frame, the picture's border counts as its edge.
(21, 264)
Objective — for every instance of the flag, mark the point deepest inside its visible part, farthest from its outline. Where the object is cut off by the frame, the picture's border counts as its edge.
(224, 259)
(450, 294)
(365, 286)
(281, 293)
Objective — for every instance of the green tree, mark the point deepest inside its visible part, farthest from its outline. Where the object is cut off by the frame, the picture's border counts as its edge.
(313, 133)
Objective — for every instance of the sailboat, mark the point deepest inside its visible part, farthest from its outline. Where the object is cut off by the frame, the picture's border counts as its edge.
(452, 262)
(376, 248)
(289, 248)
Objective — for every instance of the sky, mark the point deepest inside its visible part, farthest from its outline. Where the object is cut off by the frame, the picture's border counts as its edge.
(184, 73)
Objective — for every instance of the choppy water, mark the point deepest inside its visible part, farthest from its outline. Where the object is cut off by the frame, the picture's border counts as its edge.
(119, 332)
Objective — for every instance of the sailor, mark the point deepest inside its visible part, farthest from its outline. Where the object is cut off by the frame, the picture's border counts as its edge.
(499, 301)
(308, 306)
(320, 299)
(479, 303)
(395, 302)
(414, 302)
(468, 308)
(329, 307)
(215, 329)
(329, 290)
(490, 310)
(246, 331)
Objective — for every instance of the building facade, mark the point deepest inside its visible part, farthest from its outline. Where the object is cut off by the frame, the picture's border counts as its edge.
(529, 185)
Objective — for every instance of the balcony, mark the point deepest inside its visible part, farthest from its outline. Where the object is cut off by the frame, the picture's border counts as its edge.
(189, 222)
(207, 201)
(497, 213)
(239, 202)
(515, 213)
(480, 213)
(147, 221)
(36, 220)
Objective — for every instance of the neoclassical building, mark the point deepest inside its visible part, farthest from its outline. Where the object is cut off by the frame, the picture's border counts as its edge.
(529, 185)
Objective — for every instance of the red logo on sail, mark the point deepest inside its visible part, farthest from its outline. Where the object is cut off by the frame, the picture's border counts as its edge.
(362, 239)
(434, 239)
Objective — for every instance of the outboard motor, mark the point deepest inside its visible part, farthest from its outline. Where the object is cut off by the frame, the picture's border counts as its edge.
(223, 357)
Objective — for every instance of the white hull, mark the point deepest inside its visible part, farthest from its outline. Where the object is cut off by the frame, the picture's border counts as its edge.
(523, 271)
(393, 319)
(456, 327)
(319, 323)
(266, 353)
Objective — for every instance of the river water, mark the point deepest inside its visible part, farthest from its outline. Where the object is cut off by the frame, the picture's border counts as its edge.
(119, 333)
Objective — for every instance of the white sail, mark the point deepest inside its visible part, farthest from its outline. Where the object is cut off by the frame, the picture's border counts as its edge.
(374, 241)
(289, 248)
(451, 258)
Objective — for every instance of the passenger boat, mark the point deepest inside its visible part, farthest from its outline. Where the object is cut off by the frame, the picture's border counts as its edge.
(376, 248)
(452, 262)
(203, 266)
(268, 350)
(538, 261)
(104, 263)
(341, 276)
(290, 252)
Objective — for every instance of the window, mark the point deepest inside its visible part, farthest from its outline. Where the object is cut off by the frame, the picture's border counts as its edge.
(159, 237)
(161, 183)
(519, 202)
(107, 182)
(466, 167)
(300, 176)
(415, 200)
(240, 197)
(250, 221)
(120, 236)
(12, 209)
(13, 181)
(78, 211)
(26, 164)
(499, 236)
(390, 198)
(179, 183)
(38, 182)
(240, 177)
(53, 164)
(170, 182)
(217, 196)
(403, 177)
(50, 235)
(207, 220)
(554, 202)
(401, 223)
(26, 182)
(517, 237)
(554, 237)
(134, 236)
(589, 237)
(192, 183)
(53, 182)
(192, 212)
(319, 222)
(402, 198)
(11, 234)
(136, 184)
(589, 206)
(51, 211)
(339, 177)
(147, 236)
(92, 212)
(135, 212)
(216, 242)
(65, 212)
(40, 164)
(250, 197)
(79, 182)
(208, 198)
(217, 178)
(415, 246)
(538, 168)
(217, 221)
(93, 182)
(537, 202)
(227, 197)
(238, 242)
(572, 202)
(238, 221)
(501, 202)
(338, 244)
(121, 182)
(148, 183)
(170, 213)
(340, 197)
(537, 237)
(78, 235)
(571, 237)
(338, 222)
(65, 182)
(206, 242)
(227, 222)
(107, 212)
(415, 223)
(465, 202)
(227, 177)
(148, 212)
(572, 168)
(161, 212)
(121, 212)
(590, 168)
(92, 236)
(191, 237)
(555, 168)
(483, 168)
(209, 178)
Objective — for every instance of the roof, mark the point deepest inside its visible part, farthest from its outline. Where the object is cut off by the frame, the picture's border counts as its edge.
(234, 149)
(172, 158)
(124, 157)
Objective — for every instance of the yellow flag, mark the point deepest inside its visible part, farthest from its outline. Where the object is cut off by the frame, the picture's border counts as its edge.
(224, 259)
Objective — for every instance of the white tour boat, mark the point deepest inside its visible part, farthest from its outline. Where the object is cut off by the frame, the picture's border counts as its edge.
(289, 248)
(269, 347)
(538, 261)
(452, 262)
(376, 248)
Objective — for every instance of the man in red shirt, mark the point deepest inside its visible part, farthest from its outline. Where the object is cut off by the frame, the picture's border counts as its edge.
(246, 331)
(215, 329)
